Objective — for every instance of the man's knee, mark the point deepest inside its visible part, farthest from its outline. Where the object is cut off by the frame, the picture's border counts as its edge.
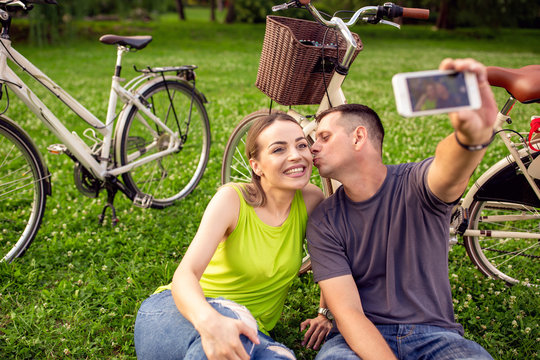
(336, 348)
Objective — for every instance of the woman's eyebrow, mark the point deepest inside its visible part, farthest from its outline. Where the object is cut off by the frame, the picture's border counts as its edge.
(282, 142)
(279, 142)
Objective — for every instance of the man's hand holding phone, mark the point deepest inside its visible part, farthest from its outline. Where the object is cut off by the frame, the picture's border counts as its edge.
(435, 91)
(474, 127)
(460, 87)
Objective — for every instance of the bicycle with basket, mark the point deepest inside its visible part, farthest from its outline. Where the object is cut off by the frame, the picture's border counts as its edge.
(305, 63)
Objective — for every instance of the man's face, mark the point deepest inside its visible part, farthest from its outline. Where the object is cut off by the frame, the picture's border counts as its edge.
(333, 146)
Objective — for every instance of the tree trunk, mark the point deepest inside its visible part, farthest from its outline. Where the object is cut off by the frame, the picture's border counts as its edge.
(231, 13)
(212, 10)
(180, 9)
(445, 20)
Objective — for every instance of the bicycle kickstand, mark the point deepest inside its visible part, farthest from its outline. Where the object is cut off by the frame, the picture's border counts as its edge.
(111, 193)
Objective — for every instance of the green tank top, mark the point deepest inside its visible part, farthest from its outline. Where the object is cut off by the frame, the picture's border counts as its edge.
(257, 263)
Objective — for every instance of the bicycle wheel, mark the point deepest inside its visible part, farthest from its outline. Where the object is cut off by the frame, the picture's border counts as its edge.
(23, 190)
(235, 165)
(173, 176)
(508, 245)
(514, 259)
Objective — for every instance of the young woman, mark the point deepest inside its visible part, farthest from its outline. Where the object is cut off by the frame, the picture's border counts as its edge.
(229, 289)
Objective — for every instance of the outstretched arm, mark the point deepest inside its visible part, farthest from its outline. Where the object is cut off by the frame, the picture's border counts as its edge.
(453, 165)
(341, 295)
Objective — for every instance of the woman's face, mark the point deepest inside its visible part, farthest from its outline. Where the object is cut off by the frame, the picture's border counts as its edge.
(284, 159)
(431, 92)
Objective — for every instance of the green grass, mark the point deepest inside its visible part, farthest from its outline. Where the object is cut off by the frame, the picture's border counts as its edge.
(76, 291)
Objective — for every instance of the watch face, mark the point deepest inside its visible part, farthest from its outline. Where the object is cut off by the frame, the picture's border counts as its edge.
(329, 315)
(326, 313)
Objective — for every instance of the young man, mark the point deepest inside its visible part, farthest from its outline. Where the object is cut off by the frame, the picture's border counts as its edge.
(379, 245)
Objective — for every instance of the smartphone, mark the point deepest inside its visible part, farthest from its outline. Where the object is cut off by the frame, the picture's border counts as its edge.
(435, 92)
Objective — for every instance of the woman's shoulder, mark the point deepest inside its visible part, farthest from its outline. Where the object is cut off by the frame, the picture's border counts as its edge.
(227, 197)
(230, 191)
(225, 206)
(313, 195)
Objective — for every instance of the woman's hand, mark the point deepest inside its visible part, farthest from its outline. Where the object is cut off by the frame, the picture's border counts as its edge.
(318, 328)
(220, 338)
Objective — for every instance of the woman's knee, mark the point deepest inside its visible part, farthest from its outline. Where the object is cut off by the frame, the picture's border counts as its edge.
(160, 329)
(234, 310)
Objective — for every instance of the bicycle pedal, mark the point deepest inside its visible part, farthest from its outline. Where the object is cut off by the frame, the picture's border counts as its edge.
(143, 201)
(57, 149)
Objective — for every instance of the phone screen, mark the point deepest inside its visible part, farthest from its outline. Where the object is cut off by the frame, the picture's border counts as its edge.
(438, 91)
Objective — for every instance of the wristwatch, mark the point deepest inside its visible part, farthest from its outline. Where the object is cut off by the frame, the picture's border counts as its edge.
(326, 312)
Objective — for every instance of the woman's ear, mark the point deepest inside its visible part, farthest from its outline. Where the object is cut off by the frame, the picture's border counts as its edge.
(255, 167)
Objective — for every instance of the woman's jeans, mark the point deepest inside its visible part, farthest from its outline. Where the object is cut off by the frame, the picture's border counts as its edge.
(412, 342)
(161, 332)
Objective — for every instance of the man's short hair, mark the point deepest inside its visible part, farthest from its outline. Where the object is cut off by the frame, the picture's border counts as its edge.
(355, 115)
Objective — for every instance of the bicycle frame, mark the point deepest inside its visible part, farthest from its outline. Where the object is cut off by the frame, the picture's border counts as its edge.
(514, 157)
(100, 166)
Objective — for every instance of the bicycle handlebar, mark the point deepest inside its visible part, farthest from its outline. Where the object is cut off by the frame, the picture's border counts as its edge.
(369, 14)
(415, 13)
(25, 4)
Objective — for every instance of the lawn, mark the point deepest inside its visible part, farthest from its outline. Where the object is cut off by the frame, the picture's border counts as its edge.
(76, 292)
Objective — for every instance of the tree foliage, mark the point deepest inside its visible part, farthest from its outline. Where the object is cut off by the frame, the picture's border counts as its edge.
(445, 14)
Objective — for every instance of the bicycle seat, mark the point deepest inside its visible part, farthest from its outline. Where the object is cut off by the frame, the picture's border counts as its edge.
(136, 42)
(523, 83)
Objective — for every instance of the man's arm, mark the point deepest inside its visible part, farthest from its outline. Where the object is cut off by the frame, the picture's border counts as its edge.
(341, 296)
(453, 165)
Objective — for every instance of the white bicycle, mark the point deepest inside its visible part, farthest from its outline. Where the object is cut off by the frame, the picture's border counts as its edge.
(154, 149)
(305, 62)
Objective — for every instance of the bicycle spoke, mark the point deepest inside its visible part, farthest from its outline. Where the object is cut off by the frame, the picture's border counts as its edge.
(507, 246)
(174, 175)
(145, 123)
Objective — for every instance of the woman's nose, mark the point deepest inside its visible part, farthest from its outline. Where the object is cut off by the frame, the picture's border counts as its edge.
(294, 154)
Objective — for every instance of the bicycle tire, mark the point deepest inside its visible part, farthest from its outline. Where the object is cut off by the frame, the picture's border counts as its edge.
(24, 188)
(173, 176)
(514, 259)
(235, 165)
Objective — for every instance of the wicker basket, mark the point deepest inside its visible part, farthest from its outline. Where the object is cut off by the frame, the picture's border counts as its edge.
(291, 68)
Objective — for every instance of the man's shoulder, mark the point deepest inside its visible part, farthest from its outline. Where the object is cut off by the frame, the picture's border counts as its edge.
(325, 210)
(406, 168)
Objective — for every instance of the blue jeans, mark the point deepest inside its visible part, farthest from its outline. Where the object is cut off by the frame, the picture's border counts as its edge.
(412, 342)
(161, 332)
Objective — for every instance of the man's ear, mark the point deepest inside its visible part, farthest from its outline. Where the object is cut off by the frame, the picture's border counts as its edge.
(360, 136)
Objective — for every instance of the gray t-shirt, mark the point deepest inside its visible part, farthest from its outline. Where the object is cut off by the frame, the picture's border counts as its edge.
(395, 245)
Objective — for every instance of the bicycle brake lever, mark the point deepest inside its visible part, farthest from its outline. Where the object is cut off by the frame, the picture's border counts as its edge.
(386, 22)
(284, 6)
(17, 3)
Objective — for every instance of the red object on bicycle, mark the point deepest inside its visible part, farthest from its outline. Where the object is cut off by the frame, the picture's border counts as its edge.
(535, 129)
